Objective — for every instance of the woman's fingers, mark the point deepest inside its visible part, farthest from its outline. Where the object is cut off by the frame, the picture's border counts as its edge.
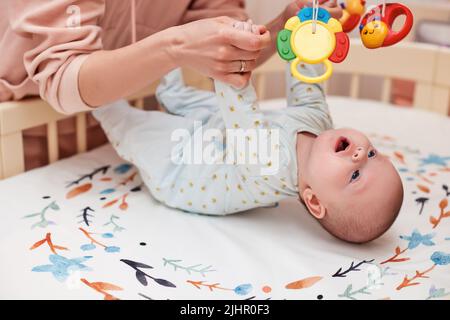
(246, 40)
(335, 12)
(332, 7)
(231, 53)
(243, 66)
(225, 20)
(237, 66)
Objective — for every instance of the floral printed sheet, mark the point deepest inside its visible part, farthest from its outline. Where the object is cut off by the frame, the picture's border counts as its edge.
(86, 228)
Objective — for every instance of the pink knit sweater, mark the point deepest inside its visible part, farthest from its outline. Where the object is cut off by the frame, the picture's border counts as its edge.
(43, 43)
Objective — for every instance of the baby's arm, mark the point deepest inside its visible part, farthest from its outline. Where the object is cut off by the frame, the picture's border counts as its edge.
(309, 97)
(301, 94)
(239, 107)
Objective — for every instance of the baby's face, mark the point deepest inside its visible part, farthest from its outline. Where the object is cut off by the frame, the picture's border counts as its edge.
(345, 168)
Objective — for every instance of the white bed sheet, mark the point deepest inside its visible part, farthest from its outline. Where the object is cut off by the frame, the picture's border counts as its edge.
(277, 253)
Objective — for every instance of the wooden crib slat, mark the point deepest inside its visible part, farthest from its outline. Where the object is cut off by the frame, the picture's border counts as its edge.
(81, 129)
(326, 86)
(422, 95)
(12, 160)
(261, 86)
(386, 90)
(52, 141)
(354, 86)
(441, 100)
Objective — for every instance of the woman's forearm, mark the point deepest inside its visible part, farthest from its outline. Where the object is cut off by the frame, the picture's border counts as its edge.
(106, 76)
(213, 47)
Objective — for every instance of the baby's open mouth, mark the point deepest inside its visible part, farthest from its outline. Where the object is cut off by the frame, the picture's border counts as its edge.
(342, 144)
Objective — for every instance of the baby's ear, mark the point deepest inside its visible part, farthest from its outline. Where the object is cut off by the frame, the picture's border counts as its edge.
(315, 207)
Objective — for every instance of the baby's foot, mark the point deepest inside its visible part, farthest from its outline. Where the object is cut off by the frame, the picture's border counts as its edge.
(248, 26)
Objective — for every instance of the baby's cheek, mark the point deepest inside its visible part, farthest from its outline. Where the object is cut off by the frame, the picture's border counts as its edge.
(328, 170)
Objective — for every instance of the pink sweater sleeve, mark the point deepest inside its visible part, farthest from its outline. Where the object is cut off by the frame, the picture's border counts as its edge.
(62, 34)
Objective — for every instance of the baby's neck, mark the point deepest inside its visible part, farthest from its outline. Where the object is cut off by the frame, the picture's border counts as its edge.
(305, 141)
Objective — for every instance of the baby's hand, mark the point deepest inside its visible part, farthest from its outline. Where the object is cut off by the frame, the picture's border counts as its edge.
(249, 26)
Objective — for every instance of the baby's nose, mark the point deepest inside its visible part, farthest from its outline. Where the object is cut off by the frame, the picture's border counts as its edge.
(358, 154)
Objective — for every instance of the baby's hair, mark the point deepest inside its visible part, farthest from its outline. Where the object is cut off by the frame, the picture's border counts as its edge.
(358, 225)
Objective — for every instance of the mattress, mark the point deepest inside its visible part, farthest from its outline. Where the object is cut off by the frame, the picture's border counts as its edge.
(86, 228)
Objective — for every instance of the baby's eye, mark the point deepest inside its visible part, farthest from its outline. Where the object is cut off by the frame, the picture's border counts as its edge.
(355, 176)
(372, 153)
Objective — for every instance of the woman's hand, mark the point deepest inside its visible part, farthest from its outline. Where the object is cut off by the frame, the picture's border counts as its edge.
(215, 47)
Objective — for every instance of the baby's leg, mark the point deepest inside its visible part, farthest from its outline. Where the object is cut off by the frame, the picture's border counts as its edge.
(182, 100)
(137, 135)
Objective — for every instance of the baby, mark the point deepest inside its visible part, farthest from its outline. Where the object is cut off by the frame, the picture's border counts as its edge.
(219, 154)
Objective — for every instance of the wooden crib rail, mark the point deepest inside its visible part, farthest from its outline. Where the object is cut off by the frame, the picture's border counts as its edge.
(15, 117)
(411, 61)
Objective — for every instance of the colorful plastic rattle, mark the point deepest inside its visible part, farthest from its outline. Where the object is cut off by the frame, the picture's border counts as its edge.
(376, 25)
(352, 11)
(313, 41)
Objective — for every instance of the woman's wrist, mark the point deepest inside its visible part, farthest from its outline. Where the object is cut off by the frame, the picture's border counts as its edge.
(173, 43)
(106, 76)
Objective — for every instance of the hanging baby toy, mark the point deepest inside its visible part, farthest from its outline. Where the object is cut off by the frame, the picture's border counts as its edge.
(376, 26)
(313, 37)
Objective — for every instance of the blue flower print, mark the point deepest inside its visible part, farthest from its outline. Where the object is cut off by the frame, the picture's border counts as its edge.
(416, 239)
(440, 258)
(243, 289)
(62, 267)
